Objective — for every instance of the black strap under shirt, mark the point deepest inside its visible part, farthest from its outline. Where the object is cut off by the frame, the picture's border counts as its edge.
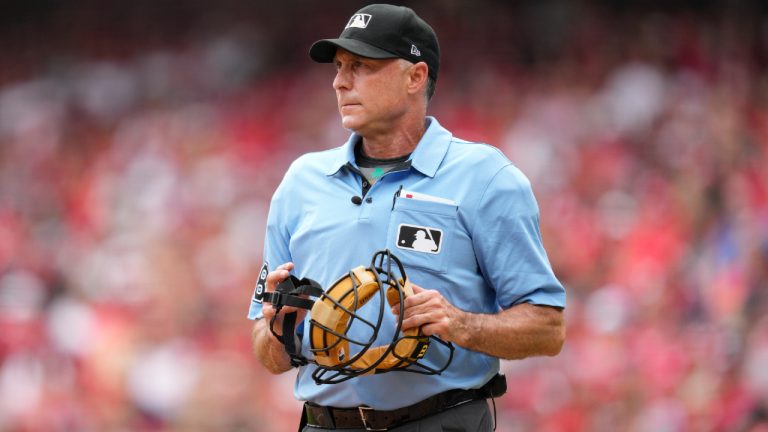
(372, 169)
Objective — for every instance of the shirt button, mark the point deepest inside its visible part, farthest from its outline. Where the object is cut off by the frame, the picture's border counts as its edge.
(369, 200)
(365, 184)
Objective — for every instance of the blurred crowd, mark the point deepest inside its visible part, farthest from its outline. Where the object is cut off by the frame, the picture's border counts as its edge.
(137, 162)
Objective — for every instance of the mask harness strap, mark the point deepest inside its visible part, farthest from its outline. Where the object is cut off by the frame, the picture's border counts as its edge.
(292, 292)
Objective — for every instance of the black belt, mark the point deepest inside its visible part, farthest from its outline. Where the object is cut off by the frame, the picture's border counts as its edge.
(367, 418)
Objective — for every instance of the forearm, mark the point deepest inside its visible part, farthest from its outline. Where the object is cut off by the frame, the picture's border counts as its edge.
(268, 350)
(521, 331)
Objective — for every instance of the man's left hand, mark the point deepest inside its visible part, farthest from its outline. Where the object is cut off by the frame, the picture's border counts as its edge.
(428, 308)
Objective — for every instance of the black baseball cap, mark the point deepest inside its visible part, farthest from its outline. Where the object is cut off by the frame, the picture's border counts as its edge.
(383, 31)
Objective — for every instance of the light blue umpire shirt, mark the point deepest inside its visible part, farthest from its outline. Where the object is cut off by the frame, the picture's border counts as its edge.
(480, 247)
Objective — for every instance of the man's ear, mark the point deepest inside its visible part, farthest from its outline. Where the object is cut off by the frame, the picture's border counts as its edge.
(417, 77)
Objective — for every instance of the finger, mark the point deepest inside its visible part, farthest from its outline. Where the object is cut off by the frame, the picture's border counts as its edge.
(279, 274)
(268, 311)
(275, 277)
(430, 312)
(432, 330)
(286, 266)
(424, 311)
(409, 308)
(417, 289)
(417, 320)
(423, 297)
(395, 309)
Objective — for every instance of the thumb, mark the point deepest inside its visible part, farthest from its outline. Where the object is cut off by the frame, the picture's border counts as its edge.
(417, 289)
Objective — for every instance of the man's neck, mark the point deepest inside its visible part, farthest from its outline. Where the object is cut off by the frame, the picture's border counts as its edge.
(396, 142)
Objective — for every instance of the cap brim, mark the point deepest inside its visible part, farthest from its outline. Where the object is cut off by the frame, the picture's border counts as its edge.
(323, 51)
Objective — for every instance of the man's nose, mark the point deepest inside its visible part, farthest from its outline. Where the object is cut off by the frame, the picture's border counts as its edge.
(342, 79)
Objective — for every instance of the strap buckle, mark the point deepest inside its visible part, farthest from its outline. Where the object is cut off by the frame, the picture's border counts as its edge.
(297, 360)
(363, 416)
(275, 297)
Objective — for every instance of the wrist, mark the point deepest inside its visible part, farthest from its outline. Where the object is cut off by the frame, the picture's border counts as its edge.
(463, 335)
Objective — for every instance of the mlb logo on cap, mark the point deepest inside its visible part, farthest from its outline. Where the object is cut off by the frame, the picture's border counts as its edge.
(359, 20)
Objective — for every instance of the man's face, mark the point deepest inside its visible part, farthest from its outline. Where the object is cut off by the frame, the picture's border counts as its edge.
(370, 93)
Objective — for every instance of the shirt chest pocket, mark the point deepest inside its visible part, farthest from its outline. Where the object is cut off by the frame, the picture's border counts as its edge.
(421, 233)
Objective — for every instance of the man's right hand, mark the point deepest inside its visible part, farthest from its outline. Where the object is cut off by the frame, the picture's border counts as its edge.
(279, 274)
(268, 350)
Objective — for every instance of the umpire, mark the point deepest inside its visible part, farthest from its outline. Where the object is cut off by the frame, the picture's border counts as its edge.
(461, 218)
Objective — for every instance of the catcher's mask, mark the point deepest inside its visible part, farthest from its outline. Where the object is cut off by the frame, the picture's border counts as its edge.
(338, 356)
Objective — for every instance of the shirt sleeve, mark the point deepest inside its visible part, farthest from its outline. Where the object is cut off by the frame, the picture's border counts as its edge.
(508, 243)
(276, 242)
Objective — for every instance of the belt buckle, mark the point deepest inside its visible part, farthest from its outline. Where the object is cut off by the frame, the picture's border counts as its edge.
(362, 410)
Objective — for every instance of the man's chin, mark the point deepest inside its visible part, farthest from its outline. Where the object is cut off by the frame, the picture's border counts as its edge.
(350, 123)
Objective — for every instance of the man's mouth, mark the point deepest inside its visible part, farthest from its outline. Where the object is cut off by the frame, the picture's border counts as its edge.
(348, 106)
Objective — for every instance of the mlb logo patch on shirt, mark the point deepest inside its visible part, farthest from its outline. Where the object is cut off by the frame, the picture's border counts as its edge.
(419, 238)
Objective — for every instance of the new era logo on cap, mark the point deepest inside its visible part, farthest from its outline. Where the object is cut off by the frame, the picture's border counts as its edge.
(359, 20)
(415, 51)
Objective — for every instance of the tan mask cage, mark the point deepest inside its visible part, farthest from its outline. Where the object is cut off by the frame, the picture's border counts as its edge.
(333, 314)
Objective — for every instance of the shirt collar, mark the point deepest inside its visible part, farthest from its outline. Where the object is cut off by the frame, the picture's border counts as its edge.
(426, 158)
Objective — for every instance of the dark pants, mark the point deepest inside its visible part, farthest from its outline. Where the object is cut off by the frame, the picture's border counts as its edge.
(470, 417)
